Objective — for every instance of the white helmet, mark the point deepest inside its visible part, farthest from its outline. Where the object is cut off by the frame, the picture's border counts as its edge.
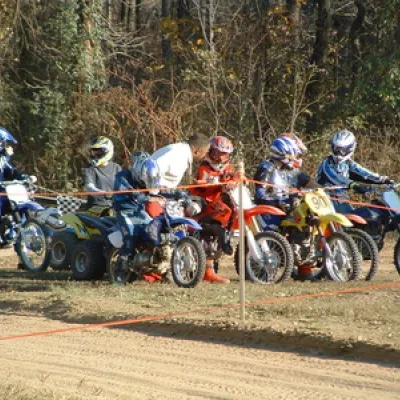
(343, 144)
(137, 159)
(101, 151)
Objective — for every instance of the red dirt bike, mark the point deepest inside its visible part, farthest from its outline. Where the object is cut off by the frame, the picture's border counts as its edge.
(268, 255)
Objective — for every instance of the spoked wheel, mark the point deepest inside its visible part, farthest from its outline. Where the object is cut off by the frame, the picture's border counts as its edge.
(188, 262)
(368, 250)
(277, 259)
(126, 275)
(32, 247)
(345, 261)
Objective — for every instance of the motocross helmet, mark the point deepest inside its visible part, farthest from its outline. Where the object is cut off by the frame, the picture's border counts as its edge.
(343, 144)
(149, 176)
(287, 152)
(101, 151)
(219, 154)
(7, 142)
(302, 147)
(137, 159)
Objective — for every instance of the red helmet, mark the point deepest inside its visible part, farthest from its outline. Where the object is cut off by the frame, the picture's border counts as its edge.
(220, 152)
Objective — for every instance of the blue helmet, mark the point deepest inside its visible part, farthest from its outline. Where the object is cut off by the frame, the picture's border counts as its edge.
(343, 144)
(5, 137)
(286, 151)
(149, 175)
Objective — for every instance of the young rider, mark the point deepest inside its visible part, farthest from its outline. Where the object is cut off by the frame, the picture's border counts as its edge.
(216, 168)
(100, 175)
(280, 172)
(338, 169)
(130, 207)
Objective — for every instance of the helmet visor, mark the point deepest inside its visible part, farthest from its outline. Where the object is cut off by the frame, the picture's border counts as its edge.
(219, 156)
(342, 151)
(97, 153)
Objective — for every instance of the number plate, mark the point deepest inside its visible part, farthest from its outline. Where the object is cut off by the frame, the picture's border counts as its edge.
(319, 203)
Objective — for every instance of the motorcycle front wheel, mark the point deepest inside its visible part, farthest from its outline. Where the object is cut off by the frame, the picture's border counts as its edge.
(277, 263)
(397, 256)
(345, 262)
(368, 250)
(32, 247)
(188, 262)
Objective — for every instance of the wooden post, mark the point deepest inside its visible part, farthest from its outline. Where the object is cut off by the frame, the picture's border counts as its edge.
(242, 229)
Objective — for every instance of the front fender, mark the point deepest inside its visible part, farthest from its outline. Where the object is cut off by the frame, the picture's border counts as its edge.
(30, 206)
(184, 221)
(336, 218)
(263, 209)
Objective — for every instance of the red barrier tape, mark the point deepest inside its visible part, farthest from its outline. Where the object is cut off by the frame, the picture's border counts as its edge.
(203, 310)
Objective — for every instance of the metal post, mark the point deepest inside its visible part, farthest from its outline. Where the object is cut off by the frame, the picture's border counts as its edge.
(242, 228)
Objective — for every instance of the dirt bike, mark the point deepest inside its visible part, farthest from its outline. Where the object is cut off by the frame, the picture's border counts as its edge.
(268, 256)
(381, 221)
(312, 230)
(21, 225)
(176, 252)
(66, 239)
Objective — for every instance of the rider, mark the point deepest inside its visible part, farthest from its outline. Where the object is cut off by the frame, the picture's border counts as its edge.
(9, 172)
(338, 169)
(100, 175)
(216, 168)
(281, 171)
(130, 207)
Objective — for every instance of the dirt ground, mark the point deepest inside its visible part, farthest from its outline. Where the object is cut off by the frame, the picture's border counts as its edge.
(184, 359)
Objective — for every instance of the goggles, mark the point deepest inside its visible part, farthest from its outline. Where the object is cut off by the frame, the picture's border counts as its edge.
(342, 151)
(219, 156)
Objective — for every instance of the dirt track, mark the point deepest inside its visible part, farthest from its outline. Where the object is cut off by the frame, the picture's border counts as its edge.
(123, 364)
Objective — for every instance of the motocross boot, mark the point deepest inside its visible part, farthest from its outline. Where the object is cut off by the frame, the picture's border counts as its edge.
(304, 273)
(121, 270)
(212, 277)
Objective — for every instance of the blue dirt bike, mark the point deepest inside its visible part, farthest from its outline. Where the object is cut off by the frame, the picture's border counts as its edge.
(176, 252)
(381, 221)
(21, 225)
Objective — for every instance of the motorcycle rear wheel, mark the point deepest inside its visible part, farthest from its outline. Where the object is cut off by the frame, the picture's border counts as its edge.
(34, 252)
(112, 259)
(188, 262)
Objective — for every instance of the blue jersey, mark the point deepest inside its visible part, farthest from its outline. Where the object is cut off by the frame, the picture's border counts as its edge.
(123, 201)
(7, 171)
(280, 180)
(331, 173)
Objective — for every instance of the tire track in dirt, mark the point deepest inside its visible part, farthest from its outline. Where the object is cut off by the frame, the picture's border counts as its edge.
(123, 364)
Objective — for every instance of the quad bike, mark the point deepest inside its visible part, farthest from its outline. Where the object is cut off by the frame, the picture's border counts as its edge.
(177, 253)
(268, 256)
(64, 240)
(312, 228)
(21, 225)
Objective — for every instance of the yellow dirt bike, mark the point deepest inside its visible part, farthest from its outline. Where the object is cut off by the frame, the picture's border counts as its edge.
(313, 229)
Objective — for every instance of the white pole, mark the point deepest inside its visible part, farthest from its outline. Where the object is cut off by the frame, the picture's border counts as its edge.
(241, 245)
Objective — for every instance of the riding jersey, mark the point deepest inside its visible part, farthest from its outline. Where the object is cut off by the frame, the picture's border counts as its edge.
(7, 171)
(331, 173)
(280, 180)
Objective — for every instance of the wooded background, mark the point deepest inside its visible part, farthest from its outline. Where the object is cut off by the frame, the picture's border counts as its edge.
(146, 72)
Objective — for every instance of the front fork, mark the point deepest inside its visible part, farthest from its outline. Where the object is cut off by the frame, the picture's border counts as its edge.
(255, 249)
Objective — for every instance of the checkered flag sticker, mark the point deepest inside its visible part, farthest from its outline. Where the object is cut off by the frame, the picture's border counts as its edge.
(68, 204)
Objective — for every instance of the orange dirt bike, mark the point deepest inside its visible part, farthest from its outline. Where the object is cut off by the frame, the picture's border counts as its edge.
(268, 255)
